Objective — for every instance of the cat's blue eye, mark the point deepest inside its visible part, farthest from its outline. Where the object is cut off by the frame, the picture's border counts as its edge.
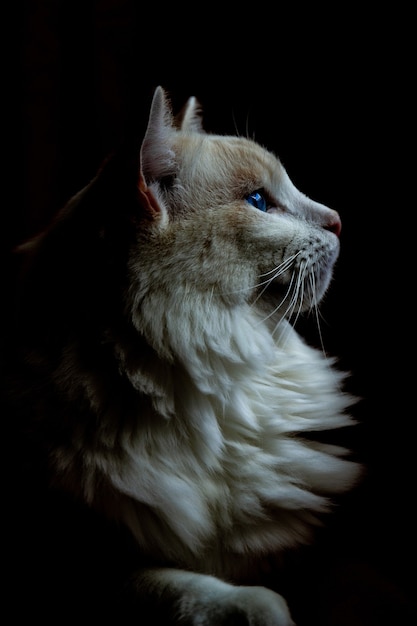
(257, 200)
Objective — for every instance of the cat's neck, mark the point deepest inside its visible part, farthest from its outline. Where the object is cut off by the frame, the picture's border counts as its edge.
(216, 350)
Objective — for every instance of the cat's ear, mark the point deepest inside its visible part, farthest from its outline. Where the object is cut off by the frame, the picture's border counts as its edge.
(157, 158)
(191, 117)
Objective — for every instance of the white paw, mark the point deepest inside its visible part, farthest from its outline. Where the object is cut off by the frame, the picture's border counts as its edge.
(226, 605)
(262, 607)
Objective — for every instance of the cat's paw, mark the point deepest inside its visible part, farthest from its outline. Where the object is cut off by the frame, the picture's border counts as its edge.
(235, 606)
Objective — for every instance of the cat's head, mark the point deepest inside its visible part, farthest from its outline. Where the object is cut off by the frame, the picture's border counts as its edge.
(226, 217)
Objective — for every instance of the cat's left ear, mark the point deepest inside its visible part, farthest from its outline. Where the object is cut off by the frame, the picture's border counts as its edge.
(190, 118)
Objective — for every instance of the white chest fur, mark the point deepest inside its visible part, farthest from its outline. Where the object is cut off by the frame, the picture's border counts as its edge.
(227, 469)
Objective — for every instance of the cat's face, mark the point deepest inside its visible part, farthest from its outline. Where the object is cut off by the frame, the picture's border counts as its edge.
(229, 221)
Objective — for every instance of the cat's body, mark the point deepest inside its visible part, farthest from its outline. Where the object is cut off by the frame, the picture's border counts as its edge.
(153, 365)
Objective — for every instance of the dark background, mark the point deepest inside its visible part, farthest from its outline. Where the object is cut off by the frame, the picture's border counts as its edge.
(330, 94)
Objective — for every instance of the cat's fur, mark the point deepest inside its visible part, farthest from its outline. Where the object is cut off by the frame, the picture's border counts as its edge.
(154, 368)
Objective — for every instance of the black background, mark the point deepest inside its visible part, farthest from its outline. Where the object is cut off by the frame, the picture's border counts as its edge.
(329, 92)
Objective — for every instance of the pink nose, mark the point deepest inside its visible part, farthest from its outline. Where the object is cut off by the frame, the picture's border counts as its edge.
(334, 223)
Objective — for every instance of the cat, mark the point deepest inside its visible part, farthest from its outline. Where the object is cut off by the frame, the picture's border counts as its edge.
(153, 364)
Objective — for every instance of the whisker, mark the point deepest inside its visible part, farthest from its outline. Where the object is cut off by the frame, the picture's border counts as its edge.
(290, 307)
(292, 314)
(280, 304)
(235, 124)
(296, 298)
(315, 306)
(247, 126)
(294, 291)
(285, 263)
(280, 269)
(300, 293)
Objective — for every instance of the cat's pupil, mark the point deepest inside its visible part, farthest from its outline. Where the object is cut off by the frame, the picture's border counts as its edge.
(257, 199)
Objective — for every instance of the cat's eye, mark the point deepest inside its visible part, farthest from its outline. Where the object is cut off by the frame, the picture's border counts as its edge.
(257, 200)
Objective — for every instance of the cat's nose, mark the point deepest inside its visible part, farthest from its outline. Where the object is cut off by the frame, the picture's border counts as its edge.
(333, 223)
(320, 214)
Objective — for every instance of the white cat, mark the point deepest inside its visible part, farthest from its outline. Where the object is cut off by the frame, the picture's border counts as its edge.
(166, 380)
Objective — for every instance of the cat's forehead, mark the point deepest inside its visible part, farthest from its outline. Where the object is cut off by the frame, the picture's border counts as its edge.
(231, 156)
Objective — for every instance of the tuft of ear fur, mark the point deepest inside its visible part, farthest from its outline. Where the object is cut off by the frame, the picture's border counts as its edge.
(157, 157)
(190, 118)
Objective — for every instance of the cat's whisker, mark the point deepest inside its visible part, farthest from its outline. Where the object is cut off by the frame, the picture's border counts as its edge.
(315, 306)
(297, 297)
(294, 297)
(292, 303)
(301, 292)
(280, 304)
(299, 289)
(247, 127)
(235, 126)
(277, 271)
(283, 267)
